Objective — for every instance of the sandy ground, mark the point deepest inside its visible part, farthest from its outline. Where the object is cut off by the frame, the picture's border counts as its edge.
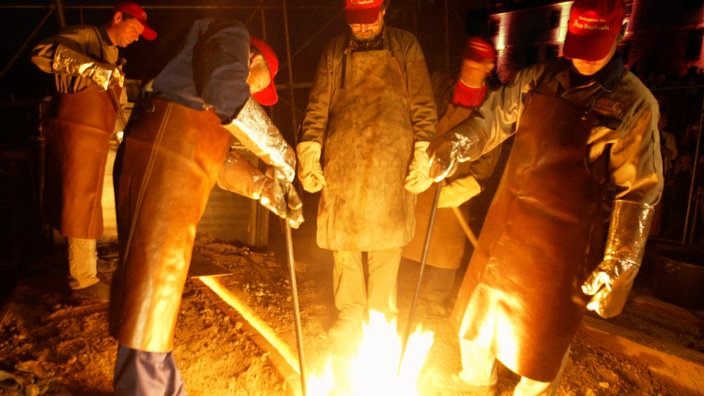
(53, 344)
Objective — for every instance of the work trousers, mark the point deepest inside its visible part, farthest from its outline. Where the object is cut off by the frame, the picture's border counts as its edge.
(480, 368)
(142, 373)
(82, 263)
(353, 294)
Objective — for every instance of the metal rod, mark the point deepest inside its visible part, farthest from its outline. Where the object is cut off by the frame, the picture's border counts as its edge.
(296, 307)
(692, 186)
(463, 223)
(423, 259)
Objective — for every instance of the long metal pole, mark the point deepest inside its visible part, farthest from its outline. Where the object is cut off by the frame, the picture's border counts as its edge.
(296, 307)
(463, 223)
(685, 237)
(423, 259)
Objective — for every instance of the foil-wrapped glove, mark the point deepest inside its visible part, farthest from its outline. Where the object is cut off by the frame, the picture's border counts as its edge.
(458, 191)
(255, 130)
(70, 62)
(447, 150)
(611, 282)
(239, 176)
(310, 172)
(294, 211)
(418, 179)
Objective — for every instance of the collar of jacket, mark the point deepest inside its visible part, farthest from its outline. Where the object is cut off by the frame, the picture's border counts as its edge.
(381, 42)
(607, 77)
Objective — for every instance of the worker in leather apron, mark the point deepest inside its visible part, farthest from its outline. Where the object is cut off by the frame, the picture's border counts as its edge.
(174, 150)
(78, 127)
(455, 99)
(367, 126)
(586, 138)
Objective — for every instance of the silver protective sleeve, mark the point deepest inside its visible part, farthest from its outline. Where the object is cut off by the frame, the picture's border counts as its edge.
(70, 62)
(255, 130)
(628, 232)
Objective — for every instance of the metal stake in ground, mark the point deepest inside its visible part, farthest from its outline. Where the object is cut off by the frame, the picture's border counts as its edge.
(296, 308)
(423, 258)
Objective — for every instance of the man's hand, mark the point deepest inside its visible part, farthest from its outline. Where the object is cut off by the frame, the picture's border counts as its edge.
(418, 179)
(443, 157)
(310, 172)
(609, 286)
(613, 278)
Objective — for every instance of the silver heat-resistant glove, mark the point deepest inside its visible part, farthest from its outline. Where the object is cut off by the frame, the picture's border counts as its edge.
(294, 211)
(70, 62)
(611, 282)
(255, 130)
(239, 176)
(447, 150)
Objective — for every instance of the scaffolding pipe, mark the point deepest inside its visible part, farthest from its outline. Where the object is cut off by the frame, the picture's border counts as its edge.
(291, 96)
(60, 16)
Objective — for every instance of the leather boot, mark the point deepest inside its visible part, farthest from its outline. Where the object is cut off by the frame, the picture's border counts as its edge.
(436, 288)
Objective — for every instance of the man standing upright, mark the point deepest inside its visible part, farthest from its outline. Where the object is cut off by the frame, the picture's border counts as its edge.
(88, 74)
(456, 96)
(371, 112)
(586, 138)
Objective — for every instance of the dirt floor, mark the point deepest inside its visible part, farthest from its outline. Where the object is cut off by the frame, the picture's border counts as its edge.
(53, 344)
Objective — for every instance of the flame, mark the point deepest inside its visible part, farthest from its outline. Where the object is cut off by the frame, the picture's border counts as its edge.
(375, 370)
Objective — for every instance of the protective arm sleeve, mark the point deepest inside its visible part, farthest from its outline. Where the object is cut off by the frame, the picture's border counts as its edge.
(613, 278)
(255, 130)
(418, 179)
(310, 172)
(71, 62)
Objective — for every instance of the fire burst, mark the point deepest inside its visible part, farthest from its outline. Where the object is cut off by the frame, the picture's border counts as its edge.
(375, 369)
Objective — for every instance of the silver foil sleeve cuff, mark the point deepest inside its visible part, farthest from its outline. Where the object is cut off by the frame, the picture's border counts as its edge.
(70, 62)
(628, 231)
(255, 130)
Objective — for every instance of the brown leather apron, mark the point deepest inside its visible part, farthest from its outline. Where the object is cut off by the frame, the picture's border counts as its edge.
(542, 236)
(368, 148)
(77, 133)
(168, 164)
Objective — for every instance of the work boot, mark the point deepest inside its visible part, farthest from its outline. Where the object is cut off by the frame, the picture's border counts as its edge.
(435, 293)
(106, 264)
(452, 385)
(99, 292)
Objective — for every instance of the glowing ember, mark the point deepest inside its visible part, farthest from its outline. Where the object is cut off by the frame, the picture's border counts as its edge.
(375, 368)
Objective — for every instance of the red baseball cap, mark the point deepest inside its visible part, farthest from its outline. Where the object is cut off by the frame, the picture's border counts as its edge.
(592, 28)
(362, 11)
(133, 9)
(267, 96)
(479, 50)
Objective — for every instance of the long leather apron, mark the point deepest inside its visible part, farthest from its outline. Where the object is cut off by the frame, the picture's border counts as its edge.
(448, 238)
(542, 236)
(168, 164)
(77, 136)
(367, 151)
